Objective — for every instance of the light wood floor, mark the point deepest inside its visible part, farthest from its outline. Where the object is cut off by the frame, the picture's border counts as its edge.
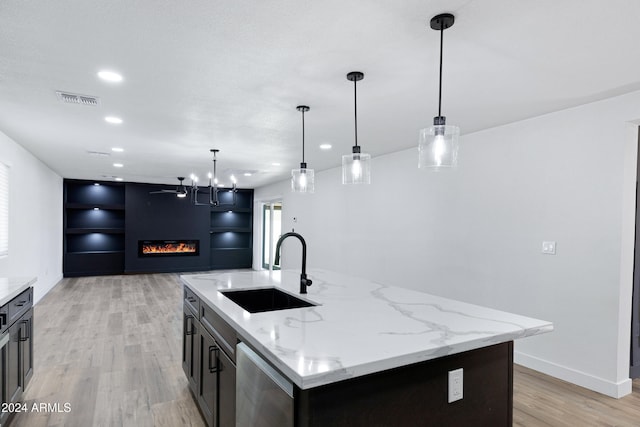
(111, 347)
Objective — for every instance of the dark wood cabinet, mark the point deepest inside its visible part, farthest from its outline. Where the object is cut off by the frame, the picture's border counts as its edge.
(208, 388)
(209, 368)
(16, 350)
(14, 374)
(25, 348)
(227, 395)
(190, 348)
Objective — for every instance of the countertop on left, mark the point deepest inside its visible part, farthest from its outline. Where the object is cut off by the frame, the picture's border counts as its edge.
(11, 287)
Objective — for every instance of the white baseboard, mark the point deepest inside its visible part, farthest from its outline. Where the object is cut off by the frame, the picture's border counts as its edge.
(573, 376)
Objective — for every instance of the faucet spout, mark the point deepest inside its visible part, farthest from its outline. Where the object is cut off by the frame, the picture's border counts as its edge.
(304, 282)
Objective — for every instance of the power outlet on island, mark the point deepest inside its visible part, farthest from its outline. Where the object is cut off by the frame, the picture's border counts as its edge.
(455, 385)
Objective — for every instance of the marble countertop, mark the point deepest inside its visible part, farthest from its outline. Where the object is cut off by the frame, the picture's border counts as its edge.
(11, 287)
(358, 327)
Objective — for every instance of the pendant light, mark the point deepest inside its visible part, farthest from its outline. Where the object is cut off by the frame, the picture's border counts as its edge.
(302, 180)
(213, 188)
(356, 167)
(438, 144)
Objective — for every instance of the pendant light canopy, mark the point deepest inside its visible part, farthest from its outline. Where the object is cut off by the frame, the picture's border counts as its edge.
(438, 144)
(356, 166)
(302, 180)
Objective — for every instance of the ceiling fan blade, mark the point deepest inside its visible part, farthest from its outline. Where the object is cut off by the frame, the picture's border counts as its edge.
(163, 192)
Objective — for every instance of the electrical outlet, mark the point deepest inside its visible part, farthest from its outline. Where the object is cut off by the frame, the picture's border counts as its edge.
(455, 385)
(549, 248)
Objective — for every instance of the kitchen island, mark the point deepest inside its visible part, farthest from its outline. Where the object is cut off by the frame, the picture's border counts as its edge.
(367, 353)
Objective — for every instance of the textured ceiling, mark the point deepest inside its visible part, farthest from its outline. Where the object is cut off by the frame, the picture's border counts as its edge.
(228, 74)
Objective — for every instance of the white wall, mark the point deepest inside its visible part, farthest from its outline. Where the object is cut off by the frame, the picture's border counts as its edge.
(35, 219)
(476, 234)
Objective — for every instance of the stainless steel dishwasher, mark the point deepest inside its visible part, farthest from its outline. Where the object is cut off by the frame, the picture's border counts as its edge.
(264, 398)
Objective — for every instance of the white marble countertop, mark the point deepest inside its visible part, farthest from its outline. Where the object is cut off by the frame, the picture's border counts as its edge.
(359, 327)
(11, 287)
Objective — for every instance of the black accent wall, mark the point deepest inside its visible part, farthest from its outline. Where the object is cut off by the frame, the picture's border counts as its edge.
(163, 217)
(104, 221)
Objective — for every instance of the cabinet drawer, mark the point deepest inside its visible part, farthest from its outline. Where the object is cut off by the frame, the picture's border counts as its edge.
(191, 300)
(221, 331)
(4, 318)
(19, 305)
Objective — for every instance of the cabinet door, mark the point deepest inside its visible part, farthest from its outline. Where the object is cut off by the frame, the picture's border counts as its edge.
(226, 391)
(26, 347)
(190, 351)
(14, 375)
(209, 366)
(4, 371)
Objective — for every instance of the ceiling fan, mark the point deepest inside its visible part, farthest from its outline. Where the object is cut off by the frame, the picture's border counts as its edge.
(180, 191)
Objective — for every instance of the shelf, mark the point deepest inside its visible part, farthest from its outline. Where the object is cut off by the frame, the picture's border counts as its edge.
(105, 206)
(94, 252)
(231, 209)
(229, 239)
(230, 229)
(231, 258)
(92, 263)
(95, 230)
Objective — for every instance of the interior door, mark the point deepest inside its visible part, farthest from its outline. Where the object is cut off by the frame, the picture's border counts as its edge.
(271, 231)
(634, 369)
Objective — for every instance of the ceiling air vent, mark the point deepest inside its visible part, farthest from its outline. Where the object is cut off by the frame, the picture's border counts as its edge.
(74, 98)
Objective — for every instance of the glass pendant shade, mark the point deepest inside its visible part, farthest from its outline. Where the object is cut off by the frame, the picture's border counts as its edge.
(438, 147)
(356, 168)
(302, 180)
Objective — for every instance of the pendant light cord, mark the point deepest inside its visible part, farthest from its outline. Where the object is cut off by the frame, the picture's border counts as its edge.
(355, 110)
(440, 86)
(215, 173)
(303, 136)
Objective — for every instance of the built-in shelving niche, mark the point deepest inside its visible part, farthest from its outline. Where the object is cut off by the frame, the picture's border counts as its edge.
(94, 219)
(231, 231)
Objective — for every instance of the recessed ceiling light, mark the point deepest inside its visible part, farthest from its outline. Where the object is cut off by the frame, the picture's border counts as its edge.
(110, 76)
(118, 179)
(118, 165)
(117, 149)
(247, 174)
(275, 164)
(113, 120)
(325, 146)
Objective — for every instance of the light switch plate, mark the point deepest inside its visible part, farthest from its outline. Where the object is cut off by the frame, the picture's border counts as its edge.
(455, 385)
(549, 248)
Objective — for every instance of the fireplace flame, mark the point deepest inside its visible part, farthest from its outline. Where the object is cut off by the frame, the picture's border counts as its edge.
(168, 248)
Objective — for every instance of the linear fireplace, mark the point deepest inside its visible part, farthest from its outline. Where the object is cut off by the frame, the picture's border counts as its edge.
(153, 248)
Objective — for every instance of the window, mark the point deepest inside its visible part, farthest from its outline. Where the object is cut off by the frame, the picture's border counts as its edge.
(4, 210)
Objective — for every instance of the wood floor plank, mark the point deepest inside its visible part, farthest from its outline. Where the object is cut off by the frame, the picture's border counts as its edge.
(111, 347)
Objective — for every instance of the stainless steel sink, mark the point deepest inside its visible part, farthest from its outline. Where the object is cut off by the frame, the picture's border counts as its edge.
(265, 299)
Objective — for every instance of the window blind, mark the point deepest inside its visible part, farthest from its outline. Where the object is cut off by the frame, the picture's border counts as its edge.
(4, 210)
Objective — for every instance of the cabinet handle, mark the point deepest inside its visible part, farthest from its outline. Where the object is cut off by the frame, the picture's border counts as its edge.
(191, 299)
(3, 319)
(215, 349)
(188, 330)
(26, 336)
